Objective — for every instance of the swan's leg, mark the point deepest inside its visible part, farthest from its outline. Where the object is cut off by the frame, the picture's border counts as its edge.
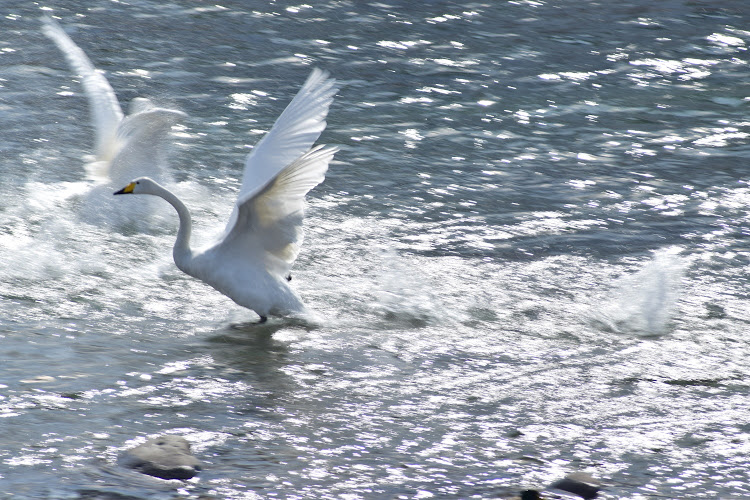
(263, 319)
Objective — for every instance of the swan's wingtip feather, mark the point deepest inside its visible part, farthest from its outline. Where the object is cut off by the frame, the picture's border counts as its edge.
(51, 28)
(48, 21)
(321, 79)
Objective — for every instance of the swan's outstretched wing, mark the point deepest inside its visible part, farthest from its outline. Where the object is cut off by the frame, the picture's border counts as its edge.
(293, 133)
(270, 221)
(105, 110)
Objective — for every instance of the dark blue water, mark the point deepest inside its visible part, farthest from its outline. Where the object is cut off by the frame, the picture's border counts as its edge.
(529, 255)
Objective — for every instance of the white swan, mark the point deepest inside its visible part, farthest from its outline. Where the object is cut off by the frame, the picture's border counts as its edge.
(123, 144)
(251, 261)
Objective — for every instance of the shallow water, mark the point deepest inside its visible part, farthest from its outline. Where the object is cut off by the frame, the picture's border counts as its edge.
(528, 257)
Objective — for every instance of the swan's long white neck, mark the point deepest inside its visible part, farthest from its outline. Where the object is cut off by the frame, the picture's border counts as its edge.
(181, 252)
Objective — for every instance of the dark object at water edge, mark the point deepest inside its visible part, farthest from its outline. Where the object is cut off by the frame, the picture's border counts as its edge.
(579, 484)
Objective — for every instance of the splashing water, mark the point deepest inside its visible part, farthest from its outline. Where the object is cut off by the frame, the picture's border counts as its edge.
(644, 303)
(401, 295)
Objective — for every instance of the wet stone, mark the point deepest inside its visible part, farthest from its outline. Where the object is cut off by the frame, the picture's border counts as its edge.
(165, 457)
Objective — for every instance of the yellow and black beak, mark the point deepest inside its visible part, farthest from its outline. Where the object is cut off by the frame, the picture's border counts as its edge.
(127, 189)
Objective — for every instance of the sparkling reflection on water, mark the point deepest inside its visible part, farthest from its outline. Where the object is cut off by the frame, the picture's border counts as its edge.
(527, 259)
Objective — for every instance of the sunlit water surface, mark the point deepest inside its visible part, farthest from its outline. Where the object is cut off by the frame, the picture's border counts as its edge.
(529, 257)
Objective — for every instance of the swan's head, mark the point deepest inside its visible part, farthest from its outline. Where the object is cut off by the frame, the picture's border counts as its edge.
(141, 185)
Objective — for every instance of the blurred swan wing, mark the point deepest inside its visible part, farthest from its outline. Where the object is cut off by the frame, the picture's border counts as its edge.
(105, 110)
(143, 137)
(270, 221)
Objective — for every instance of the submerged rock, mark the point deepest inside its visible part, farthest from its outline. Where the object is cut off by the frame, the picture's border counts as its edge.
(165, 457)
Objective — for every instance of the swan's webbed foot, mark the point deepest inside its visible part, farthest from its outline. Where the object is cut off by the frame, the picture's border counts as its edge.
(289, 277)
(263, 319)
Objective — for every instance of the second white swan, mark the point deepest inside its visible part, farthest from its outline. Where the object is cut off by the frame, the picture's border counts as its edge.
(125, 145)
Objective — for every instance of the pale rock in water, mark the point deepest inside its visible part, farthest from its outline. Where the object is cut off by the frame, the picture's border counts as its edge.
(165, 457)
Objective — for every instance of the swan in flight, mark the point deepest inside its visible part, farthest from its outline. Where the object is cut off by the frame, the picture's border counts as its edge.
(124, 144)
(251, 261)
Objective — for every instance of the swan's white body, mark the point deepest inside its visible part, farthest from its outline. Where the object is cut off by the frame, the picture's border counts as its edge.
(124, 144)
(251, 261)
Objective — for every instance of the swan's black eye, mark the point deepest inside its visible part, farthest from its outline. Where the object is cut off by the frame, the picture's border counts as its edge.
(137, 182)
